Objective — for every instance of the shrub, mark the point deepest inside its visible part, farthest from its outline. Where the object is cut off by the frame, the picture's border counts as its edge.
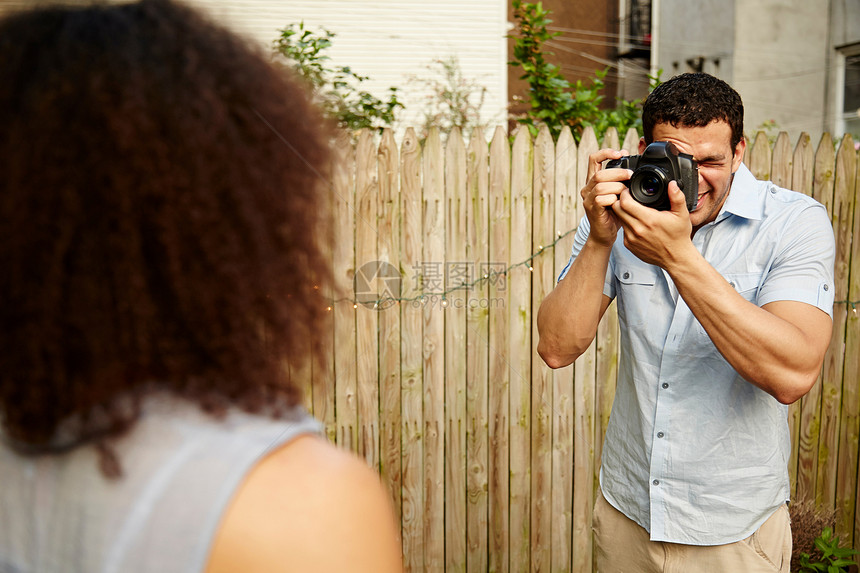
(554, 100)
(336, 89)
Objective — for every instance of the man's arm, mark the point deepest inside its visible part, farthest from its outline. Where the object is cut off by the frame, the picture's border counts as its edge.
(778, 347)
(568, 317)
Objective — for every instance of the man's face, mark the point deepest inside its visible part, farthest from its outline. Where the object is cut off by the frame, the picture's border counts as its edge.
(711, 147)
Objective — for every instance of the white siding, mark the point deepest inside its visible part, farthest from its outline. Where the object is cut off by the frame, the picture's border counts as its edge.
(389, 41)
(386, 40)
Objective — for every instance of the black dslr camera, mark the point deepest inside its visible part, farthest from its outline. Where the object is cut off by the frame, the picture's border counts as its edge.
(654, 169)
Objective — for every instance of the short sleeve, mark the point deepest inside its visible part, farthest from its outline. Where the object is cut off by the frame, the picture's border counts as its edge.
(578, 242)
(802, 269)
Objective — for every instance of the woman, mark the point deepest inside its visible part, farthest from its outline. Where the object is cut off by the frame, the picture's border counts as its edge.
(162, 244)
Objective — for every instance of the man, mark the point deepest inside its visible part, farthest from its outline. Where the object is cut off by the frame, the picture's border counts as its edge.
(725, 317)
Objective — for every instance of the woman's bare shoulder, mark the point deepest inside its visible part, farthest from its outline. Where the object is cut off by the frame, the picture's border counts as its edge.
(308, 507)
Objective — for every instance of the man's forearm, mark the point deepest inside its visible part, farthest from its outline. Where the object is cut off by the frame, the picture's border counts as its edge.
(568, 317)
(778, 348)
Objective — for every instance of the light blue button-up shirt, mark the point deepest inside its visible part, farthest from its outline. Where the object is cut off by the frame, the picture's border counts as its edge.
(694, 453)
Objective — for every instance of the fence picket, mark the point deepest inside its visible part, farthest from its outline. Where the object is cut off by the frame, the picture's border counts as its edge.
(434, 353)
(345, 351)
(631, 142)
(411, 356)
(543, 190)
(456, 275)
(843, 444)
(781, 166)
(566, 199)
(519, 351)
(499, 373)
(759, 157)
(388, 252)
(584, 389)
(477, 353)
(322, 367)
(848, 492)
(842, 210)
(367, 319)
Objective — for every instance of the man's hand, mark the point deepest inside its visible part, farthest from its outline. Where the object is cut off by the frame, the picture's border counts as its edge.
(601, 193)
(659, 238)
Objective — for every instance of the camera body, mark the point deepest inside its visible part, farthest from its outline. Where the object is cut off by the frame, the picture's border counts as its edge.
(654, 169)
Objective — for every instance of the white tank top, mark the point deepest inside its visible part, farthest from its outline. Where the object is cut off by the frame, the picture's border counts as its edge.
(181, 468)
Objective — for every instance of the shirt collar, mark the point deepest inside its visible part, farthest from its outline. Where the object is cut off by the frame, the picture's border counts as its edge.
(744, 199)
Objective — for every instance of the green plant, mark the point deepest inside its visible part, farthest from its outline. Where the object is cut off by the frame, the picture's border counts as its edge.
(335, 88)
(452, 100)
(827, 557)
(770, 128)
(553, 99)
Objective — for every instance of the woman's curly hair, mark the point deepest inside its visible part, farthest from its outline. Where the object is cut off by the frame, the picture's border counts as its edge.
(162, 198)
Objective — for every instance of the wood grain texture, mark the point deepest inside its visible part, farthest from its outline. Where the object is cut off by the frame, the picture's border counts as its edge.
(499, 373)
(411, 355)
(477, 242)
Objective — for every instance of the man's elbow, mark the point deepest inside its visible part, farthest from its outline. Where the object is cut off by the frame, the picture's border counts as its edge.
(793, 392)
(553, 357)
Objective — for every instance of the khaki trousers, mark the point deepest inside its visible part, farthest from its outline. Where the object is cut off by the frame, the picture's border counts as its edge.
(622, 546)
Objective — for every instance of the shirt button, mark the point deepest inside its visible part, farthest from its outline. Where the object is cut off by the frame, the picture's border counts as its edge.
(732, 284)
(826, 287)
(626, 275)
(656, 482)
(665, 385)
(660, 434)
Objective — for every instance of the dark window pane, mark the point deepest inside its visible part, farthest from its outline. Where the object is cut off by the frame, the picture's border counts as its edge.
(852, 83)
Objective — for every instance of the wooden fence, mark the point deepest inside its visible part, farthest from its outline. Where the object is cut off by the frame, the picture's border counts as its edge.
(442, 254)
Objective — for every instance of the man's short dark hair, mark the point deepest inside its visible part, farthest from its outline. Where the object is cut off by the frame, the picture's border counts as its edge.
(694, 100)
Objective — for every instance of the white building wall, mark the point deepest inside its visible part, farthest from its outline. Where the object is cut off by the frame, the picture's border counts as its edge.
(690, 30)
(773, 52)
(781, 63)
(392, 40)
(387, 40)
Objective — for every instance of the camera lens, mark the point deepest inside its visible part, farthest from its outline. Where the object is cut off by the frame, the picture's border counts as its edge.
(650, 186)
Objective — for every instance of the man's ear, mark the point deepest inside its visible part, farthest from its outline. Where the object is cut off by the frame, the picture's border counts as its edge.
(642, 145)
(738, 157)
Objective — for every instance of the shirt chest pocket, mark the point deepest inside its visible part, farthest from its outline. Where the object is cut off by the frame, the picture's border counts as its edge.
(635, 283)
(745, 284)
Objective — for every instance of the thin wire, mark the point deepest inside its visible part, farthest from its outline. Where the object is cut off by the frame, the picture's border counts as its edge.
(488, 277)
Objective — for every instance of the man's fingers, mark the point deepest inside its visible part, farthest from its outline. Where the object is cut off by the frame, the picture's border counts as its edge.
(596, 159)
(677, 199)
(605, 200)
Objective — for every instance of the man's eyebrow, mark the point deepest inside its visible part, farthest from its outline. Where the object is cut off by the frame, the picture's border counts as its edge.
(716, 158)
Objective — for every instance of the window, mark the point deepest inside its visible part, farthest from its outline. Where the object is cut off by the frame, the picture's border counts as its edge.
(850, 92)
